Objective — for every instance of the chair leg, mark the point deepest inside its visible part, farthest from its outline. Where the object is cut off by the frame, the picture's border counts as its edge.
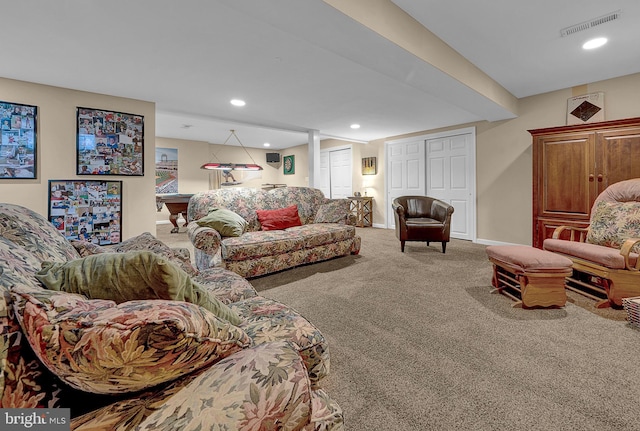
(402, 246)
(428, 242)
(444, 246)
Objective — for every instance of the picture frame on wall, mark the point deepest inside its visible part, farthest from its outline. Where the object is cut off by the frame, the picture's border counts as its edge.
(369, 166)
(109, 143)
(18, 140)
(289, 165)
(87, 210)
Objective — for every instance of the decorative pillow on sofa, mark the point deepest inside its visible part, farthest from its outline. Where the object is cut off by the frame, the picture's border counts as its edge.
(279, 219)
(144, 241)
(122, 277)
(97, 346)
(335, 211)
(614, 222)
(225, 221)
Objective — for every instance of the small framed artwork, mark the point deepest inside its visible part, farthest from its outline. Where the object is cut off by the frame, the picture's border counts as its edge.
(18, 140)
(109, 143)
(588, 108)
(289, 165)
(87, 210)
(369, 166)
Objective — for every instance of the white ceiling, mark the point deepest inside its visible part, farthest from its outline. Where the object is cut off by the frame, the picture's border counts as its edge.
(303, 65)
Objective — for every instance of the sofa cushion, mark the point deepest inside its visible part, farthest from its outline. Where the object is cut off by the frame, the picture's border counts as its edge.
(281, 218)
(261, 243)
(604, 256)
(612, 223)
(224, 221)
(129, 276)
(262, 388)
(317, 234)
(99, 346)
(335, 211)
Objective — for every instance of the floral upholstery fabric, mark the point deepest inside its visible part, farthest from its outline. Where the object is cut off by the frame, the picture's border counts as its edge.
(144, 241)
(261, 388)
(27, 239)
(259, 252)
(266, 320)
(102, 347)
(27, 228)
(334, 212)
(612, 223)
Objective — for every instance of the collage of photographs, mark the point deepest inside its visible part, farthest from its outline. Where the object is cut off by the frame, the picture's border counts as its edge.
(17, 140)
(87, 210)
(109, 143)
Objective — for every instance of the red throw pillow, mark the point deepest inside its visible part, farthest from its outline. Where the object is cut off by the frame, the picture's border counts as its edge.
(280, 218)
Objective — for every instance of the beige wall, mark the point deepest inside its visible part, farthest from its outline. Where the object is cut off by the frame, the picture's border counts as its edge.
(503, 156)
(56, 150)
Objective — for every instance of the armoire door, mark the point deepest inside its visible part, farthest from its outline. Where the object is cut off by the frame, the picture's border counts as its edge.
(565, 167)
(618, 152)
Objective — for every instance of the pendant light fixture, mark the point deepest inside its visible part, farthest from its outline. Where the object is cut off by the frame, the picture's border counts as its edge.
(232, 166)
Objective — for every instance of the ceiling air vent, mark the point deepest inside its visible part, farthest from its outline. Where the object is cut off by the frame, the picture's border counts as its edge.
(567, 31)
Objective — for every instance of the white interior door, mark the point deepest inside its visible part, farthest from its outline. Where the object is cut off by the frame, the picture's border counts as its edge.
(336, 172)
(451, 178)
(406, 167)
(325, 176)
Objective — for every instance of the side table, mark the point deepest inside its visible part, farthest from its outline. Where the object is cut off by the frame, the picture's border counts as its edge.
(362, 208)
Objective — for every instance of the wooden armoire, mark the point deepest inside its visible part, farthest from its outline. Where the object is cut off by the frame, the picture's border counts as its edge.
(572, 165)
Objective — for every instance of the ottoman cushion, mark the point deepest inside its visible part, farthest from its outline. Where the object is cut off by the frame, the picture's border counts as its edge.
(525, 259)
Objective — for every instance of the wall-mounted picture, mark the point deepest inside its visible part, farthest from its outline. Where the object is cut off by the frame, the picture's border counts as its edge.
(17, 140)
(369, 166)
(166, 170)
(109, 143)
(289, 165)
(87, 210)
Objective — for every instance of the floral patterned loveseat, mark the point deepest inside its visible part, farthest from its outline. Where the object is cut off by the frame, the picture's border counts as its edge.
(152, 364)
(258, 252)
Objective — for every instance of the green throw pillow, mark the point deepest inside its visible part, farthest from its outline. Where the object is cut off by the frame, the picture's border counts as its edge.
(135, 275)
(224, 221)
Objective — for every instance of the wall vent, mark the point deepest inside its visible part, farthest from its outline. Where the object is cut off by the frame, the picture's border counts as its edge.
(567, 31)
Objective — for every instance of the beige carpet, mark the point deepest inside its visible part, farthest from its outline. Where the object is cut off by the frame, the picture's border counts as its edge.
(418, 342)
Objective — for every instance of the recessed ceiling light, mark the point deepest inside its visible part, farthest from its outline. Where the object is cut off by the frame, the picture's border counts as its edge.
(594, 43)
(355, 126)
(238, 102)
(266, 144)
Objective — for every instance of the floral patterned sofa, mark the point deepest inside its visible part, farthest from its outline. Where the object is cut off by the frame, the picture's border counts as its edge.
(152, 364)
(324, 233)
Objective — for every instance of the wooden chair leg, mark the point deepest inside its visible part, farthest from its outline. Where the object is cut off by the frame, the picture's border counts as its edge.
(444, 246)
(402, 246)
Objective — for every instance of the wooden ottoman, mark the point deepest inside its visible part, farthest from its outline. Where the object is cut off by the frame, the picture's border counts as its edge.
(528, 275)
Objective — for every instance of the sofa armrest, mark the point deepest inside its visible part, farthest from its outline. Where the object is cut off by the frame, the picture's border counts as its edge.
(203, 238)
(578, 234)
(626, 252)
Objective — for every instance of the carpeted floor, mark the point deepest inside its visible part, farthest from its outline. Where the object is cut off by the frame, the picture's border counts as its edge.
(418, 342)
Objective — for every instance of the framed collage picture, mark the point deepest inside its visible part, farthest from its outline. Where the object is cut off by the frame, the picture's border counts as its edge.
(109, 143)
(18, 139)
(87, 210)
